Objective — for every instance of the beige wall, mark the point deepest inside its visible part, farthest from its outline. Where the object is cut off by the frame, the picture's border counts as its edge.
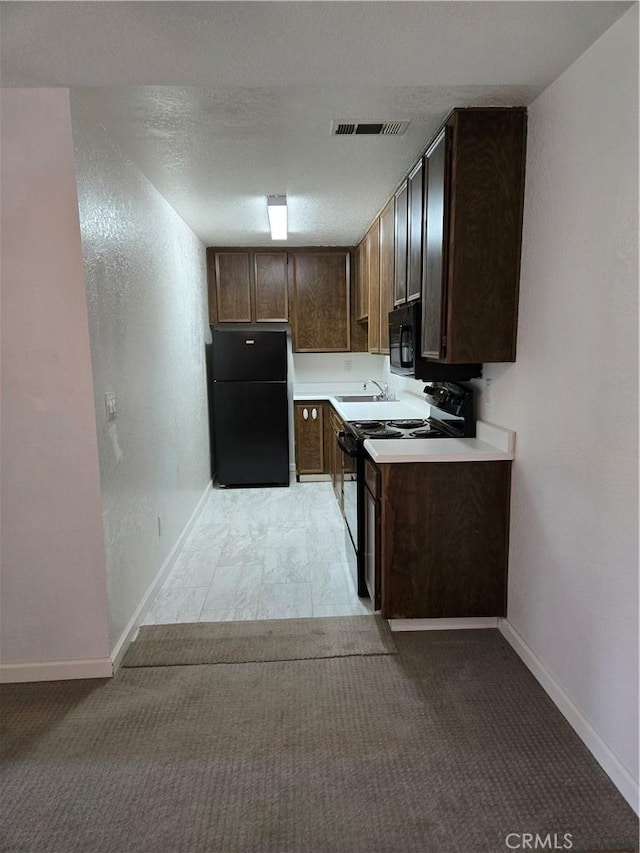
(572, 395)
(53, 593)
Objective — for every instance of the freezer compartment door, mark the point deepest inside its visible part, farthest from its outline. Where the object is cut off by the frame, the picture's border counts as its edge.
(249, 356)
(251, 433)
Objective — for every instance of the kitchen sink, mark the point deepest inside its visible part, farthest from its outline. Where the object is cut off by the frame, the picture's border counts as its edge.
(361, 398)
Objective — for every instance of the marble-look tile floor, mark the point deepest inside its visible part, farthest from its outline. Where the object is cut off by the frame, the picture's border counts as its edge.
(272, 553)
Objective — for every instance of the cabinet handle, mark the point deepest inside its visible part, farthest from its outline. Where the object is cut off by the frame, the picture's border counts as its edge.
(305, 414)
(314, 414)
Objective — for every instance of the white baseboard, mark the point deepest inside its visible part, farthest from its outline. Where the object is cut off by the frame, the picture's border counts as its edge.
(55, 670)
(122, 644)
(606, 758)
(443, 624)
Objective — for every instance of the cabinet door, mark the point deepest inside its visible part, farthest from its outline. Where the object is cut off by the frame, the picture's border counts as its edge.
(336, 456)
(233, 287)
(414, 252)
(362, 281)
(359, 331)
(401, 221)
(372, 548)
(270, 277)
(387, 266)
(309, 432)
(485, 231)
(435, 243)
(320, 285)
(373, 266)
(445, 539)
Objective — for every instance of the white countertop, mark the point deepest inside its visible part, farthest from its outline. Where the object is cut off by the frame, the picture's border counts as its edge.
(408, 406)
(319, 396)
(384, 410)
(492, 444)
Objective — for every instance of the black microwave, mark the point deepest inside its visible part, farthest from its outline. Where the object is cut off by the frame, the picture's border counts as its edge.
(404, 350)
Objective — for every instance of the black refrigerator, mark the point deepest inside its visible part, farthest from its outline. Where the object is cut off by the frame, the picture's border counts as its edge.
(249, 407)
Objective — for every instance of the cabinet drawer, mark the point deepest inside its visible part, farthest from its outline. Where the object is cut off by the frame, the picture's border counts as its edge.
(372, 478)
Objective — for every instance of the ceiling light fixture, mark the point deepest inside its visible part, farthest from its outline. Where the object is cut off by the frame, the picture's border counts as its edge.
(277, 210)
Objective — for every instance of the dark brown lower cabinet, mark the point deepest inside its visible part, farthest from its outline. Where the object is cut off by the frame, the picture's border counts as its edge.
(309, 437)
(335, 427)
(444, 537)
(372, 532)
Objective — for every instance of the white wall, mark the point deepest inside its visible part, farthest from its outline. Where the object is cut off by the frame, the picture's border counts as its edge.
(406, 384)
(572, 395)
(146, 283)
(54, 604)
(345, 372)
(338, 367)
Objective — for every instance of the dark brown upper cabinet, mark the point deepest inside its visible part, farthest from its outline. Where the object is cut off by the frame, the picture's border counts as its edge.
(401, 222)
(472, 236)
(233, 287)
(387, 266)
(362, 281)
(434, 246)
(372, 241)
(374, 280)
(320, 301)
(415, 229)
(270, 277)
(247, 286)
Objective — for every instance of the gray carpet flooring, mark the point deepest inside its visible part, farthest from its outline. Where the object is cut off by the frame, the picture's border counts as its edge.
(264, 640)
(446, 747)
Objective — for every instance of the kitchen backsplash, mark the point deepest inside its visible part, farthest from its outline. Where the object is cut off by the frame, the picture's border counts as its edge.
(346, 371)
(339, 366)
(402, 383)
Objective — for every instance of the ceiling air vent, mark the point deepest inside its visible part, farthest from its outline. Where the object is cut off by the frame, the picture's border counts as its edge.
(342, 129)
(368, 128)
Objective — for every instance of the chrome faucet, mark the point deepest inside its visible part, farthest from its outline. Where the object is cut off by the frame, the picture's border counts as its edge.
(384, 389)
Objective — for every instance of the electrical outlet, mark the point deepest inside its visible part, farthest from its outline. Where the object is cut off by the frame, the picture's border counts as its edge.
(348, 364)
(110, 406)
(159, 526)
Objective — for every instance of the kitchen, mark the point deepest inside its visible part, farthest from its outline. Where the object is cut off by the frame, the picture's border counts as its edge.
(399, 275)
(133, 516)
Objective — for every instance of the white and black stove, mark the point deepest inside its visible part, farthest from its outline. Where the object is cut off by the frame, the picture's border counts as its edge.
(451, 415)
(408, 428)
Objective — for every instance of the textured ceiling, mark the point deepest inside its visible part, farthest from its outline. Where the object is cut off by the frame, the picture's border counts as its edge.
(222, 104)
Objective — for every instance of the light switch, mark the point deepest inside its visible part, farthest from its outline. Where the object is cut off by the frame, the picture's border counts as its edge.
(488, 391)
(110, 406)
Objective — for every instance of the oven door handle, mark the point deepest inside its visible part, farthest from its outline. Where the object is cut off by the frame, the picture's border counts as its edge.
(351, 452)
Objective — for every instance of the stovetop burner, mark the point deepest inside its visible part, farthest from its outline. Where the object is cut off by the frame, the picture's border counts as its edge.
(385, 432)
(427, 432)
(367, 424)
(408, 423)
